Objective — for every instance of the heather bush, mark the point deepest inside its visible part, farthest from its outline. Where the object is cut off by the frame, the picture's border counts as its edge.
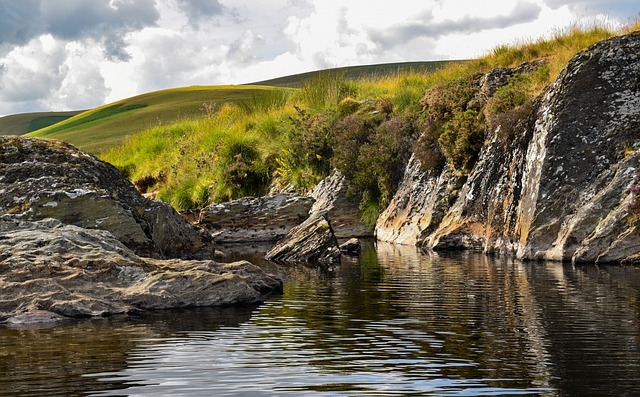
(454, 126)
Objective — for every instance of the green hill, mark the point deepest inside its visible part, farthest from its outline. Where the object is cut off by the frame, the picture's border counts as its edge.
(23, 123)
(107, 126)
(357, 72)
(102, 128)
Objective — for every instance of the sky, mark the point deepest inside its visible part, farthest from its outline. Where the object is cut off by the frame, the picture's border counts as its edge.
(79, 54)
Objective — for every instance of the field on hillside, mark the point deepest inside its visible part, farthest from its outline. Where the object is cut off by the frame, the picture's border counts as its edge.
(20, 124)
(107, 126)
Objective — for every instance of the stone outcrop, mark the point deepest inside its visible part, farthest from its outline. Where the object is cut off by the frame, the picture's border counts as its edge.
(351, 247)
(42, 179)
(252, 219)
(50, 271)
(311, 242)
(331, 195)
(551, 184)
(418, 206)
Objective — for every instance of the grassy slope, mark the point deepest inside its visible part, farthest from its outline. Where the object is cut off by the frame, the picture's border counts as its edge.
(102, 128)
(358, 72)
(107, 126)
(19, 124)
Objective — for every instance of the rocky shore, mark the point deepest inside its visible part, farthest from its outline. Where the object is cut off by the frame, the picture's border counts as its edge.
(78, 240)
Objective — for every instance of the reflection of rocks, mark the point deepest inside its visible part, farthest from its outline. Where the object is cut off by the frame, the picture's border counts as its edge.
(312, 241)
(253, 219)
(76, 272)
(47, 179)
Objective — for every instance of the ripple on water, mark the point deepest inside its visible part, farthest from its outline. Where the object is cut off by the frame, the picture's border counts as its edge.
(395, 323)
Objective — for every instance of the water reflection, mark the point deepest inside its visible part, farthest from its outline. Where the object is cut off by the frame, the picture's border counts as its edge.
(395, 322)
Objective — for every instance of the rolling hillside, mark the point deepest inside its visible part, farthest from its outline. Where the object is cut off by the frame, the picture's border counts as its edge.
(23, 123)
(107, 126)
(102, 128)
(357, 72)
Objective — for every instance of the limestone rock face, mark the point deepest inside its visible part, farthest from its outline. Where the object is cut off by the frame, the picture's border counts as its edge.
(42, 179)
(311, 242)
(554, 185)
(331, 195)
(49, 270)
(418, 206)
(253, 219)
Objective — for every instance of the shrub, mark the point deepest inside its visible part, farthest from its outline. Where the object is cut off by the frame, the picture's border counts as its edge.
(454, 127)
(241, 171)
(461, 139)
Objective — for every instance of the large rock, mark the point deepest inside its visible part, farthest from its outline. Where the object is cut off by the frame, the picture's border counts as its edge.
(418, 206)
(251, 219)
(331, 194)
(48, 179)
(311, 242)
(50, 271)
(553, 183)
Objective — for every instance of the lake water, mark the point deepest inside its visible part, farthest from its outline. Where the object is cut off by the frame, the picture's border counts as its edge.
(394, 322)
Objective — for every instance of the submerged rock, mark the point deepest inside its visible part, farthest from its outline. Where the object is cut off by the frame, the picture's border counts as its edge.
(42, 179)
(49, 267)
(252, 219)
(351, 247)
(311, 242)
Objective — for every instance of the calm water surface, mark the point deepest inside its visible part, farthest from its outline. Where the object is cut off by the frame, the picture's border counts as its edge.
(395, 322)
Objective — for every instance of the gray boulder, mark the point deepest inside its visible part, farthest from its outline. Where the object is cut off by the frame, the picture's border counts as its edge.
(51, 271)
(42, 179)
(351, 247)
(311, 242)
(250, 219)
(331, 195)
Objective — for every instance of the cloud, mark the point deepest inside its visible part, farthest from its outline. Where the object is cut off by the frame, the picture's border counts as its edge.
(17, 21)
(199, 10)
(102, 20)
(51, 74)
(428, 27)
(614, 8)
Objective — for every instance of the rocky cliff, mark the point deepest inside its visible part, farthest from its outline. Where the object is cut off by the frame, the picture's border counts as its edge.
(551, 184)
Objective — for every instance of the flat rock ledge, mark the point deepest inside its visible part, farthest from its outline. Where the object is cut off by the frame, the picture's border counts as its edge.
(312, 242)
(254, 219)
(51, 271)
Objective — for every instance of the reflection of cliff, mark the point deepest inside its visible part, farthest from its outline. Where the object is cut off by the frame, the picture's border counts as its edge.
(45, 361)
(482, 308)
(585, 311)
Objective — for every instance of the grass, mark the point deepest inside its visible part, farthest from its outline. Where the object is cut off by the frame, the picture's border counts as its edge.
(20, 124)
(105, 127)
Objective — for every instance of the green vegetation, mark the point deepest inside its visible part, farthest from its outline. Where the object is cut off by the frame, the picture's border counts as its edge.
(108, 126)
(244, 141)
(366, 128)
(20, 124)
